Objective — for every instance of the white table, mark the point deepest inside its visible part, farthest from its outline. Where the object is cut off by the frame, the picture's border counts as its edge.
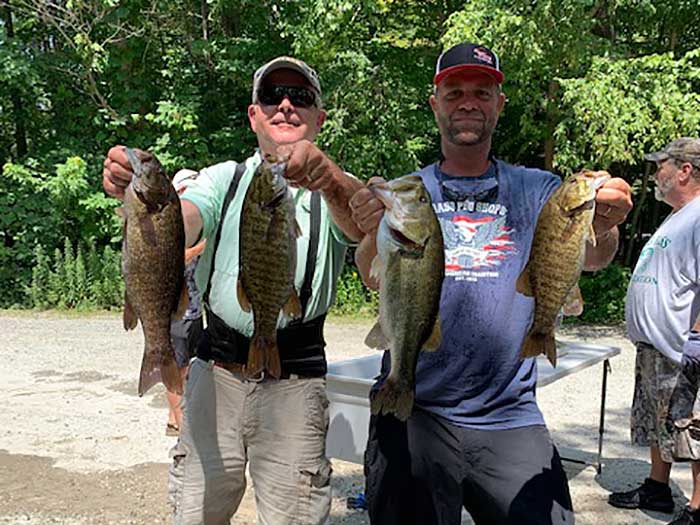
(349, 383)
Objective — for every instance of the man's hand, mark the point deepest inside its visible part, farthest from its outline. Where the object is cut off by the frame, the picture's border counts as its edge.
(613, 203)
(690, 362)
(308, 167)
(367, 209)
(116, 174)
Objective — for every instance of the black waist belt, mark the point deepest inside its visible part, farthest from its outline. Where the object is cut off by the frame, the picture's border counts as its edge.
(301, 345)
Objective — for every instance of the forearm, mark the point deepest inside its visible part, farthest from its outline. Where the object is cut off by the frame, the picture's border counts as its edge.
(364, 255)
(192, 220)
(337, 195)
(602, 254)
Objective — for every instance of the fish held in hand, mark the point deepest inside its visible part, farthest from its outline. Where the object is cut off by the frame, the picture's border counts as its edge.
(268, 256)
(153, 267)
(410, 267)
(558, 250)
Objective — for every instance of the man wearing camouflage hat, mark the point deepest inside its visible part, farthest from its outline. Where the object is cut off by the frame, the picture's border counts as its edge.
(274, 427)
(663, 302)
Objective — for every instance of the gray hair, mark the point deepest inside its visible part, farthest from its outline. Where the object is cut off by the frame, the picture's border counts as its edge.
(695, 172)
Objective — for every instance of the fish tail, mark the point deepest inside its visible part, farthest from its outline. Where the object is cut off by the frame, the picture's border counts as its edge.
(393, 397)
(156, 369)
(264, 355)
(150, 373)
(537, 343)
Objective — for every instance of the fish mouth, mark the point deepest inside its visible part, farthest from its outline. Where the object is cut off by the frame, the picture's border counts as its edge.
(406, 244)
(599, 181)
(588, 205)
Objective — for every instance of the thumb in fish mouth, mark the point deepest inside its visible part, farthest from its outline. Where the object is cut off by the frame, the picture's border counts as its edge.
(134, 160)
(383, 192)
(281, 154)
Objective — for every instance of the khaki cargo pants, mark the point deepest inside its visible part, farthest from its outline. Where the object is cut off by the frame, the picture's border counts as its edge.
(277, 428)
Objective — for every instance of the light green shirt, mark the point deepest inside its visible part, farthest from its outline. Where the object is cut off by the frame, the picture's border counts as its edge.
(207, 192)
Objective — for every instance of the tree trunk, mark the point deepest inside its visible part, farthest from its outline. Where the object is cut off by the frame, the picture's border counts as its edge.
(17, 103)
(551, 119)
(204, 8)
(635, 230)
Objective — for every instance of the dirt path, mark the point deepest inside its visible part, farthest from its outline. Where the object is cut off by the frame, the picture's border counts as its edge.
(79, 447)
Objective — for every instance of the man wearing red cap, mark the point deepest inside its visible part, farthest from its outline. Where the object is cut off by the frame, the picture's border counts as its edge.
(476, 438)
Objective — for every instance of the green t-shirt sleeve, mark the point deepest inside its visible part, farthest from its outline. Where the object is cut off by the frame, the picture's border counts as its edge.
(338, 234)
(207, 193)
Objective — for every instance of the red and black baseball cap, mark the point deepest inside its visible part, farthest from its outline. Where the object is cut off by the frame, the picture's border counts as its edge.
(468, 57)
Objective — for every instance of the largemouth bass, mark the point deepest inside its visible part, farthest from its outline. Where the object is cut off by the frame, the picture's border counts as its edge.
(564, 227)
(153, 266)
(268, 257)
(410, 267)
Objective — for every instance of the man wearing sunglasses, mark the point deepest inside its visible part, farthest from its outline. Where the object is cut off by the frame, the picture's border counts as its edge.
(476, 438)
(275, 427)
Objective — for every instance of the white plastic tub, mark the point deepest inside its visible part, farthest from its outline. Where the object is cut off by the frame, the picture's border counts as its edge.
(349, 383)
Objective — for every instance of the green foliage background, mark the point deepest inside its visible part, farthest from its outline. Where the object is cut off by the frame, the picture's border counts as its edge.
(589, 83)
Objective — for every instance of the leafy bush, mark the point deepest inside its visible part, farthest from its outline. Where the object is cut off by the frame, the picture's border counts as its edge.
(352, 298)
(53, 210)
(71, 280)
(604, 295)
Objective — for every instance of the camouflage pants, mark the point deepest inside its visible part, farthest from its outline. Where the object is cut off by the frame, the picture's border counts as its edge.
(666, 408)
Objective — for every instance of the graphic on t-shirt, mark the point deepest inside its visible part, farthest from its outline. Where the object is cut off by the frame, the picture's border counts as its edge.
(475, 246)
(645, 257)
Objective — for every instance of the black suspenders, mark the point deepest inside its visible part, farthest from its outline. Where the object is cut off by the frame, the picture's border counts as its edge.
(312, 253)
(307, 286)
(238, 175)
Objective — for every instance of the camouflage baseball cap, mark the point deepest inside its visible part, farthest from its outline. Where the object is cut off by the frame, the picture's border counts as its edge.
(286, 63)
(686, 149)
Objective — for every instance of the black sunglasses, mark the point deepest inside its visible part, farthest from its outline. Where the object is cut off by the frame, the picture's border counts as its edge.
(452, 194)
(299, 96)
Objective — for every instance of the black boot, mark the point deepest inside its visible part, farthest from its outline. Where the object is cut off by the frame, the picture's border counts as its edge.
(687, 516)
(650, 495)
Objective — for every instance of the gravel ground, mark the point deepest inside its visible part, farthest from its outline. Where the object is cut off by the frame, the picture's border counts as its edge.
(78, 447)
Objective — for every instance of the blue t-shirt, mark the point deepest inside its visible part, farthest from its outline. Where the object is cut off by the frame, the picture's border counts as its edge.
(476, 378)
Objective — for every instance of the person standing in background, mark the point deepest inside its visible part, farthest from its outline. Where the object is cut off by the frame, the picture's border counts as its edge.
(185, 332)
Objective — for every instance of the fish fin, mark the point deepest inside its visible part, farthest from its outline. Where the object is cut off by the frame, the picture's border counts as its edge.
(297, 229)
(129, 317)
(263, 355)
(183, 302)
(376, 338)
(539, 343)
(242, 297)
(119, 212)
(573, 304)
(148, 231)
(435, 339)
(524, 284)
(376, 268)
(154, 372)
(393, 397)
(591, 236)
(292, 307)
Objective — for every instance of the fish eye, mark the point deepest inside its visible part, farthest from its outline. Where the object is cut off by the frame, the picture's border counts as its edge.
(423, 199)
